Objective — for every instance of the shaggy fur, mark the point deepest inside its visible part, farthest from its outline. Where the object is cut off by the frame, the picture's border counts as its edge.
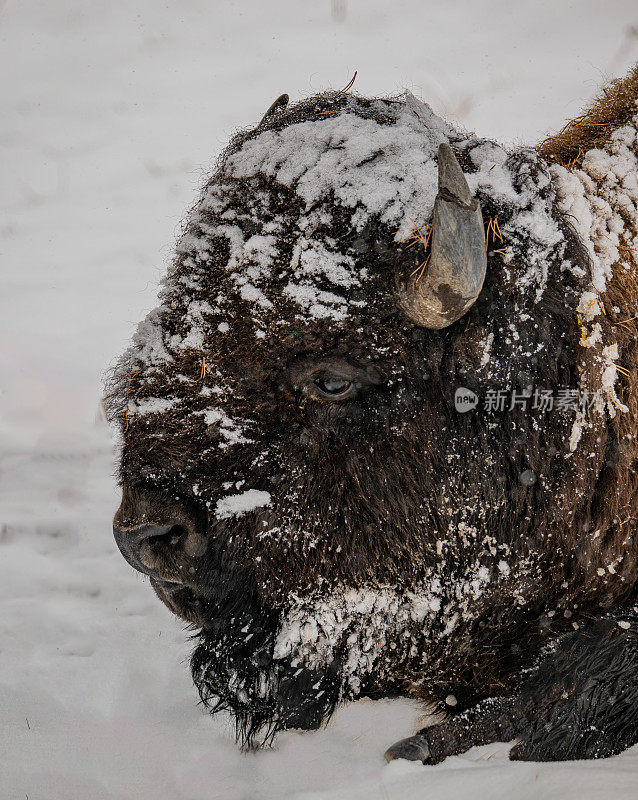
(615, 107)
(578, 701)
(391, 490)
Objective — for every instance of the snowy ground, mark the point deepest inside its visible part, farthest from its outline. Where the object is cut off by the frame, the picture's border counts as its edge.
(111, 113)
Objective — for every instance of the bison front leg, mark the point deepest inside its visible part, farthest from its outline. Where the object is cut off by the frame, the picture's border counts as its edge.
(582, 698)
(496, 719)
(579, 701)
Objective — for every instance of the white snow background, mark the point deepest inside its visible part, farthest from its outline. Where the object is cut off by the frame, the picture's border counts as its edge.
(111, 114)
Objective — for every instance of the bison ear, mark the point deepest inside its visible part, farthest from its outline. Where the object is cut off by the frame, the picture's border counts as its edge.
(451, 283)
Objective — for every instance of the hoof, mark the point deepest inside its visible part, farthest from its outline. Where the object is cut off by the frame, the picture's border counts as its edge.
(517, 753)
(414, 748)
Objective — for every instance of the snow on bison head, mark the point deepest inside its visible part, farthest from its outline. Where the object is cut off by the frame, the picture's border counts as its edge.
(297, 480)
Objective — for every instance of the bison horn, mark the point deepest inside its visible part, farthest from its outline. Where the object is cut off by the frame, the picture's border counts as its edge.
(280, 102)
(454, 276)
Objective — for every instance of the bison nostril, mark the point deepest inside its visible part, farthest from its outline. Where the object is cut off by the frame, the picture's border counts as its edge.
(135, 543)
(172, 537)
(151, 547)
(143, 547)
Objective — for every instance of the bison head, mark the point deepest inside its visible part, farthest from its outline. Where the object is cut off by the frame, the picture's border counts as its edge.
(296, 479)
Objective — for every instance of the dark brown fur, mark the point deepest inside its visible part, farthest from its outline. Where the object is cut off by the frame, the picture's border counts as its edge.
(368, 478)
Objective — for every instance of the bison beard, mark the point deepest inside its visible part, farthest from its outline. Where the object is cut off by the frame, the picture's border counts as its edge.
(296, 479)
(233, 669)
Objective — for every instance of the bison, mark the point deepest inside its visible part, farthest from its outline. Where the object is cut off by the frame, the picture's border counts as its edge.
(378, 438)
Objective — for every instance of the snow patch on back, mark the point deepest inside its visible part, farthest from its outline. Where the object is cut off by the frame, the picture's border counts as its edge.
(599, 196)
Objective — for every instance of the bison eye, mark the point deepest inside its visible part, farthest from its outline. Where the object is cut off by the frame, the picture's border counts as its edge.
(331, 378)
(333, 387)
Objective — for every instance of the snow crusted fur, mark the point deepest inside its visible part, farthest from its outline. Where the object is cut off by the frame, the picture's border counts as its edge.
(382, 543)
